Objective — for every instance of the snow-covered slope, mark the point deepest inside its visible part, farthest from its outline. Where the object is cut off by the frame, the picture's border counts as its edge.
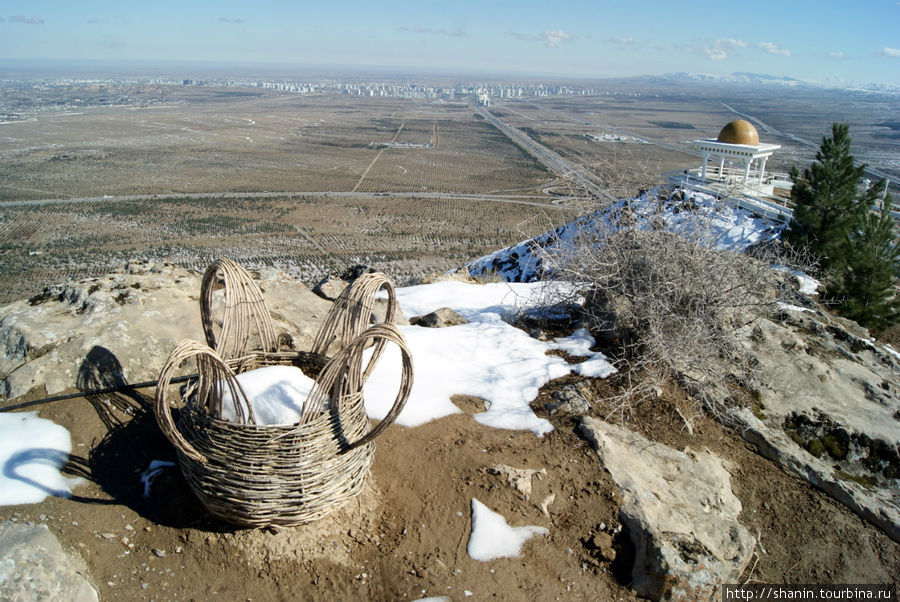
(722, 226)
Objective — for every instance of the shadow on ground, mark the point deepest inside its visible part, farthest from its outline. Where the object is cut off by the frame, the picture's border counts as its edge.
(120, 464)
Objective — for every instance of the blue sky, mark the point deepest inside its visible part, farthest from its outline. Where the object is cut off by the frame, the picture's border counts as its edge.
(841, 40)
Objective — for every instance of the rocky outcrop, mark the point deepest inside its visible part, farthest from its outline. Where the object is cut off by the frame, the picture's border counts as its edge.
(35, 567)
(129, 320)
(827, 407)
(680, 513)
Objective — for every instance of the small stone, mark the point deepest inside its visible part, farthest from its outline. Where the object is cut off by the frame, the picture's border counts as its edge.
(158, 552)
(179, 549)
(129, 528)
(602, 541)
(568, 400)
(439, 318)
(109, 536)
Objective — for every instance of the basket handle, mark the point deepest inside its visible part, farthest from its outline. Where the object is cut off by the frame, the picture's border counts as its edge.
(350, 314)
(214, 374)
(344, 375)
(244, 308)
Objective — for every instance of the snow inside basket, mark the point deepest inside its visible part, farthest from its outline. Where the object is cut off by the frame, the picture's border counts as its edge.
(276, 393)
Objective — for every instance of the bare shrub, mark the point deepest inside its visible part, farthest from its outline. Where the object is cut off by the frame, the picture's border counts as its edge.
(658, 292)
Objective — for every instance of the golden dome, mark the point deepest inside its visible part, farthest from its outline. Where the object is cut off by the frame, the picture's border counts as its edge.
(739, 131)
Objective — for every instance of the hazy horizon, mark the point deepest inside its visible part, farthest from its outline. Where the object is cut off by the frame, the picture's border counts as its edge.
(823, 42)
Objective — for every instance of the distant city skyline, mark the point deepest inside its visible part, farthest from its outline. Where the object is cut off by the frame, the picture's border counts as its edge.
(828, 41)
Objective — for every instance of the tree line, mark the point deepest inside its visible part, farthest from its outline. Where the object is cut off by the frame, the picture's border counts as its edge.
(849, 231)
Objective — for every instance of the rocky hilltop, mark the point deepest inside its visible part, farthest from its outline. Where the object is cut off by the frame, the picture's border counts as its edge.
(665, 504)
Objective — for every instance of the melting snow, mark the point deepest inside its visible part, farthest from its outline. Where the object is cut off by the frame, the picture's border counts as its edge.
(156, 468)
(808, 284)
(32, 451)
(277, 394)
(486, 358)
(492, 537)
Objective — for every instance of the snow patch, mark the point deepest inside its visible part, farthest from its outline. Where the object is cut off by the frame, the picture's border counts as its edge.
(492, 537)
(808, 284)
(276, 393)
(156, 468)
(486, 358)
(32, 451)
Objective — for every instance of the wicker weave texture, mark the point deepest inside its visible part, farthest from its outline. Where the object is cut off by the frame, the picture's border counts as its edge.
(245, 312)
(257, 475)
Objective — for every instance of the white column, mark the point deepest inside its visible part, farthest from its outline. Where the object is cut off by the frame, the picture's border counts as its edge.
(703, 170)
(762, 170)
(721, 166)
(747, 163)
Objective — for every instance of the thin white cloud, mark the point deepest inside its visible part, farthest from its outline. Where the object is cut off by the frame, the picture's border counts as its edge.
(837, 55)
(551, 38)
(453, 33)
(773, 48)
(624, 41)
(718, 50)
(555, 37)
(729, 43)
(890, 52)
(227, 20)
(26, 20)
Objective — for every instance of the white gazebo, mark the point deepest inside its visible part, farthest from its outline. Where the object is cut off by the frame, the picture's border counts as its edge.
(738, 141)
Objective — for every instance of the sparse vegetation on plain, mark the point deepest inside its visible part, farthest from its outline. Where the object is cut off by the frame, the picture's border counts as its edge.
(260, 143)
(307, 236)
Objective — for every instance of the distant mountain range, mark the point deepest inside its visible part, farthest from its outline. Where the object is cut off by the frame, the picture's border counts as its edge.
(743, 78)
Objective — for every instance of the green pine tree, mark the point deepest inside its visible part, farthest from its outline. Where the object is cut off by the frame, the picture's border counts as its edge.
(865, 283)
(826, 201)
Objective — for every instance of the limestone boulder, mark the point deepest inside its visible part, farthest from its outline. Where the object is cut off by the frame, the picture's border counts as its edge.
(36, 567)
(827, 407)
(680, 513)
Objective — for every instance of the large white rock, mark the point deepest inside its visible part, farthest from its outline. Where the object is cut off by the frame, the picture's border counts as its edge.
(828, 371)
(35, 567)
(680, 513)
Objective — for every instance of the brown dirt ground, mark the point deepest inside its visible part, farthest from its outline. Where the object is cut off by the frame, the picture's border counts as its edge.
(405, 537)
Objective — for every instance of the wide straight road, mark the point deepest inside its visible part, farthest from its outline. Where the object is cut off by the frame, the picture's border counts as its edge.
(560, 166)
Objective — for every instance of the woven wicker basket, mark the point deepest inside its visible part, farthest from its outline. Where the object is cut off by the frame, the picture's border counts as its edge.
(258, 475)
